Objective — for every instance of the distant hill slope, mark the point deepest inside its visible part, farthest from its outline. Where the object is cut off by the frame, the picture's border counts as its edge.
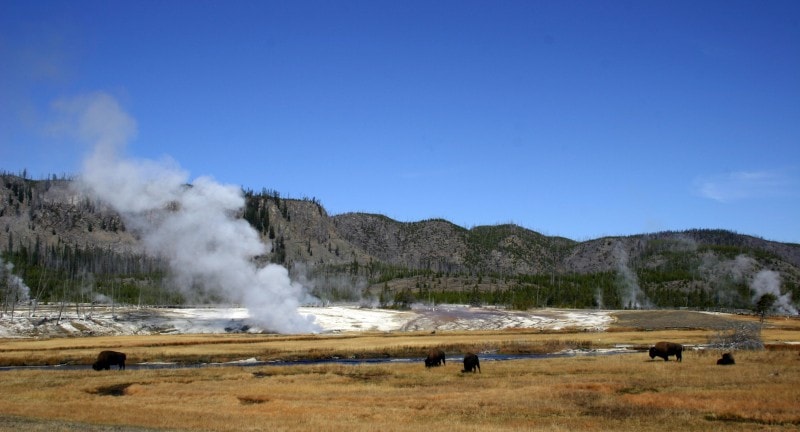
(381, 252)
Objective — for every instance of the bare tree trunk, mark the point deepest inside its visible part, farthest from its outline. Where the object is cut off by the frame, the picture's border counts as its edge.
(63, 305)
(140, 294)
(39, 291)
(7, 291)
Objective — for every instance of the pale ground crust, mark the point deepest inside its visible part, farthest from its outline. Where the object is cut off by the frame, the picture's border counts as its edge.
(50, 321)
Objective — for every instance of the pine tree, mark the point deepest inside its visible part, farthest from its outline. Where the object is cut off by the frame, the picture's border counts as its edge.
(764, 305)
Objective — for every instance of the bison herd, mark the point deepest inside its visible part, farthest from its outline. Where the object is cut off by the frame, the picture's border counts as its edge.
(436, 357)
(665, 350)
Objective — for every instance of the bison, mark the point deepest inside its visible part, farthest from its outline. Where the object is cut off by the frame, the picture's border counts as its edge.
(666, 349)
(727, 359)
(435, 358)
(106, 359)
(471, 363)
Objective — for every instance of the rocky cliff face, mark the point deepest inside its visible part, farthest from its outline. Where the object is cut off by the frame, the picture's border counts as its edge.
(434, 244)
(51, 212)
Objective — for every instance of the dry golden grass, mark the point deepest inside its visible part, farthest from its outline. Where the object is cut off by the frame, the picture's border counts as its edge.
(617, 392)
(626, 392)
(224, 348)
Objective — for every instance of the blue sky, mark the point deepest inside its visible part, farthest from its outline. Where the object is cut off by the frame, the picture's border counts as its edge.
(571, 118)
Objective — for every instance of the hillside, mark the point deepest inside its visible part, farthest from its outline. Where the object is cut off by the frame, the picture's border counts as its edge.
(51, 232)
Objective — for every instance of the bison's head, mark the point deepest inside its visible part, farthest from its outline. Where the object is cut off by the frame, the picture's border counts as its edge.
(96, 366)
(653, 352)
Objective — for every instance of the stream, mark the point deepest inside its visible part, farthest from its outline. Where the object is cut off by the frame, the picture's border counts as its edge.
(456, 359)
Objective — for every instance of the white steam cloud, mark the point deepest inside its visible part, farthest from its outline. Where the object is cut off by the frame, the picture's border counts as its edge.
(722, 275)
(769, 282)
(17, 291)
(196, 226)
(630, 292)
(598, 298)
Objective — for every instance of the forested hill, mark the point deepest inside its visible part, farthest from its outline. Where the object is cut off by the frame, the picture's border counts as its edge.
(48, 231)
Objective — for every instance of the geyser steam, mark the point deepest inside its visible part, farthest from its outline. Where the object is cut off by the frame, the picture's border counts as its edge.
(631, 294)
(194, 226)
(769, 282)
(16, 290)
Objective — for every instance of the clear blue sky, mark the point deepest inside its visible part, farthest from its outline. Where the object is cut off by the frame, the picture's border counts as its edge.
(574, 118)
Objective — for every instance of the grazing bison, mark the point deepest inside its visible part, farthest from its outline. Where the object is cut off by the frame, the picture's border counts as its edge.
(727, 359)
(435, 358)
(666, 349)
(471, 363)
(106, 359)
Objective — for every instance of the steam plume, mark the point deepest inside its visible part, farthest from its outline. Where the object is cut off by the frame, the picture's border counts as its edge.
(631, 294)
(195, 227)
(598, 298)
(723, 275)
(17, 290)
(769, 282)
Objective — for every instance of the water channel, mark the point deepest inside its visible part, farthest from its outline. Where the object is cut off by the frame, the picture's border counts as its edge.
(456, 359)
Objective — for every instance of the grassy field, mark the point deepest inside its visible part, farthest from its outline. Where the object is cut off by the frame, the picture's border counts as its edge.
(590, 393)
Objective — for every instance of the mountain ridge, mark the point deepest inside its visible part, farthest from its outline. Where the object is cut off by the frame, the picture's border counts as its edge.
(373, 253)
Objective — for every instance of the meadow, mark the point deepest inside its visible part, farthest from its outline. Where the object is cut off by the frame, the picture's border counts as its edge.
(623, 392)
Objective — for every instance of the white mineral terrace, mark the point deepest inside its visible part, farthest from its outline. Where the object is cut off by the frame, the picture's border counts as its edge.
(104, 320)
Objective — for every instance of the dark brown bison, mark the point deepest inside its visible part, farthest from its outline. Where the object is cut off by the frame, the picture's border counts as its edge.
(435, 358)
(727, 359)
(106, 359)
(471, 363)
(666, 349)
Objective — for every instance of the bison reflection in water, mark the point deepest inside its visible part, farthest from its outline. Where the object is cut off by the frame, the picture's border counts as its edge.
(435, 358)
(106, 359)
(471, 363)
(665, 350)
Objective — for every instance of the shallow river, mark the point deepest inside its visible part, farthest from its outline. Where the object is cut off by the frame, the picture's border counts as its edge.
(456, 359)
